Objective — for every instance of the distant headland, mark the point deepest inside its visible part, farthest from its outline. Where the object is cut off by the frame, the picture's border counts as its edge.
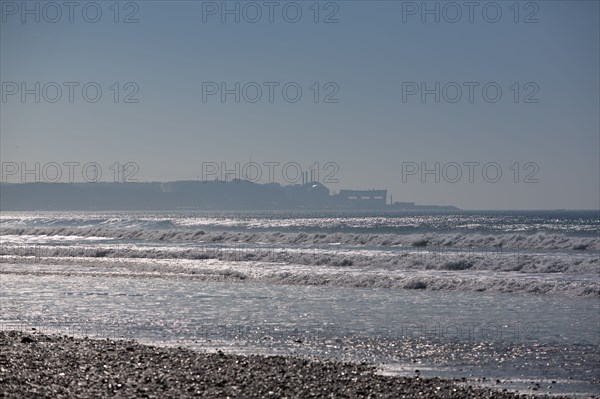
(196, 195)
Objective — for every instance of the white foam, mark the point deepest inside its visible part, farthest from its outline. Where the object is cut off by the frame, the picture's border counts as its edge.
(448, 240)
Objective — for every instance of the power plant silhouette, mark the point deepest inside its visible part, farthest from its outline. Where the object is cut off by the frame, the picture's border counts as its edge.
(195, 195)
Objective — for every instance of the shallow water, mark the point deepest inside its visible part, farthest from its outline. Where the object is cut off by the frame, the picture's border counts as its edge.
(514, 338)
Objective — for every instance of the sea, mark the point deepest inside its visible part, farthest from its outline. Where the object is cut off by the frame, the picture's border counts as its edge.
(508, 299)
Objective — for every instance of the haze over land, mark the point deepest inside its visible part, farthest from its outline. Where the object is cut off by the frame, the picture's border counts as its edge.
(373, 118)
(194, 195)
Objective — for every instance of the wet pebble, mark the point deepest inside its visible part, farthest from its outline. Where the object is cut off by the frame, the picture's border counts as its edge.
(59, 366)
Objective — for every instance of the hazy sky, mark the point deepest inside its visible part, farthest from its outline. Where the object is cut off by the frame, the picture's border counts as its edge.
(361, 75)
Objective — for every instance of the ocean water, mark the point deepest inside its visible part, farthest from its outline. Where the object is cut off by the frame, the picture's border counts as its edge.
(509, 296)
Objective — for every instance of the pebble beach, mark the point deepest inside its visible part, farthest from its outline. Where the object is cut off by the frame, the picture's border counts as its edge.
(60, 366)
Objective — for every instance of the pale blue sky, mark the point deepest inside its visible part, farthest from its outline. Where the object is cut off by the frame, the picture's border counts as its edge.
(369, 132)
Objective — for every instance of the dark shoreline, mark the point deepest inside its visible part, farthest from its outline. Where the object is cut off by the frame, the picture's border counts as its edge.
(50, 366)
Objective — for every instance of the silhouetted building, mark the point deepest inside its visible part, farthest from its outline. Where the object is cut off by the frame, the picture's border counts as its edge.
(238, 194)
(362, 198)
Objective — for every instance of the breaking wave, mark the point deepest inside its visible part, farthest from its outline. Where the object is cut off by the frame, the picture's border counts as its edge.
(547, 254)
(413, 267)
(552, 241)
(405, 258)
(316, 275)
